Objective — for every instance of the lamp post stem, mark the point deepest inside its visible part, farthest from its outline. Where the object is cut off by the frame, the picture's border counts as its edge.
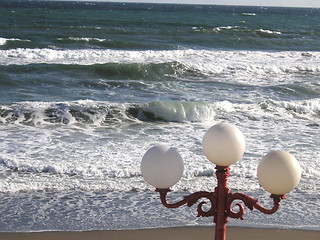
(220, 217)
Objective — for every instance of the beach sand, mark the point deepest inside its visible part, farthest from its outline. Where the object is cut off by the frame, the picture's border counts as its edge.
(176, 233)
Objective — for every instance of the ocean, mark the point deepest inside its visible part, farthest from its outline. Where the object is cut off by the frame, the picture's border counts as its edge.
(87, 88)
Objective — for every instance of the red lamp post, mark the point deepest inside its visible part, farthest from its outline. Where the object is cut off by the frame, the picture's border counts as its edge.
(221, 203)
(278, 172)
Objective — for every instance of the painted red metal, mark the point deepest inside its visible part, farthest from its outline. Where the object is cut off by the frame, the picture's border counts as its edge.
(221, 203)
(222, 191)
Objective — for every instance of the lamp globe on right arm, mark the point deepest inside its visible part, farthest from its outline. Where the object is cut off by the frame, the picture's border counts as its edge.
(279, 172)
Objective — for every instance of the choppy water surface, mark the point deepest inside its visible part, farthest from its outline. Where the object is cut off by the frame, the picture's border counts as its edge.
(87, 89)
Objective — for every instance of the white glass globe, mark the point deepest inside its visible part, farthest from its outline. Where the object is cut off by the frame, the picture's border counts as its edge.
(162, 166)
(223, 144)
(279, 172)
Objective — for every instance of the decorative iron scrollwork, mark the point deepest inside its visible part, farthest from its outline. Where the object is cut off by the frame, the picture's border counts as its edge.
(190, 200)
(250, 203)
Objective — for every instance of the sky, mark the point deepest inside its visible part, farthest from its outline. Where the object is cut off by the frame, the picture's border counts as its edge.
(281, 3)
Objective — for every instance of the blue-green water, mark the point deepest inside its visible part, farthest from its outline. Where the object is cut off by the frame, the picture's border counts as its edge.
(87, 88)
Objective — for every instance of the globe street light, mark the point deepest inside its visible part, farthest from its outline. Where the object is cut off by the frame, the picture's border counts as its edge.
(223, 144)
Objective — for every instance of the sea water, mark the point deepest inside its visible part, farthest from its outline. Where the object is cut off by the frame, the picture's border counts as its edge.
(87, 88)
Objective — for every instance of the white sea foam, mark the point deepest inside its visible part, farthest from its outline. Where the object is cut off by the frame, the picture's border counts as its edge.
(83, 39)
(51, 113)
(303, 108)
(3, 41)
(61, 168)
(249, 14)
(269, 31)
(267, 69)
(218, 29)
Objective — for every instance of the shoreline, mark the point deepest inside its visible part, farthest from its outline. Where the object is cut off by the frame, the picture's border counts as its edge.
(174, 233)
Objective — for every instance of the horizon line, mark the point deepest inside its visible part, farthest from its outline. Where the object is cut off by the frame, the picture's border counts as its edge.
(174, 3)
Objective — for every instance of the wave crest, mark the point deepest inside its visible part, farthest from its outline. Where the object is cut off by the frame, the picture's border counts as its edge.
(237, 65)
(97, 114)
(175, 111)
(306, 109)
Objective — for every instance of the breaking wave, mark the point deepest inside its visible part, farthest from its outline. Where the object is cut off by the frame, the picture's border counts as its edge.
(98, 114)
(156, 64)
(103, 113)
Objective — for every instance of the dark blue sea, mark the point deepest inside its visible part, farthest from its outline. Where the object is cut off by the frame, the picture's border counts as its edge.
(86, 88)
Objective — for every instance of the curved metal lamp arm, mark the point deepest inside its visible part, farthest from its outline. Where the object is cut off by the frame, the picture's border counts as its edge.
(250, 203)
(190, 201)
